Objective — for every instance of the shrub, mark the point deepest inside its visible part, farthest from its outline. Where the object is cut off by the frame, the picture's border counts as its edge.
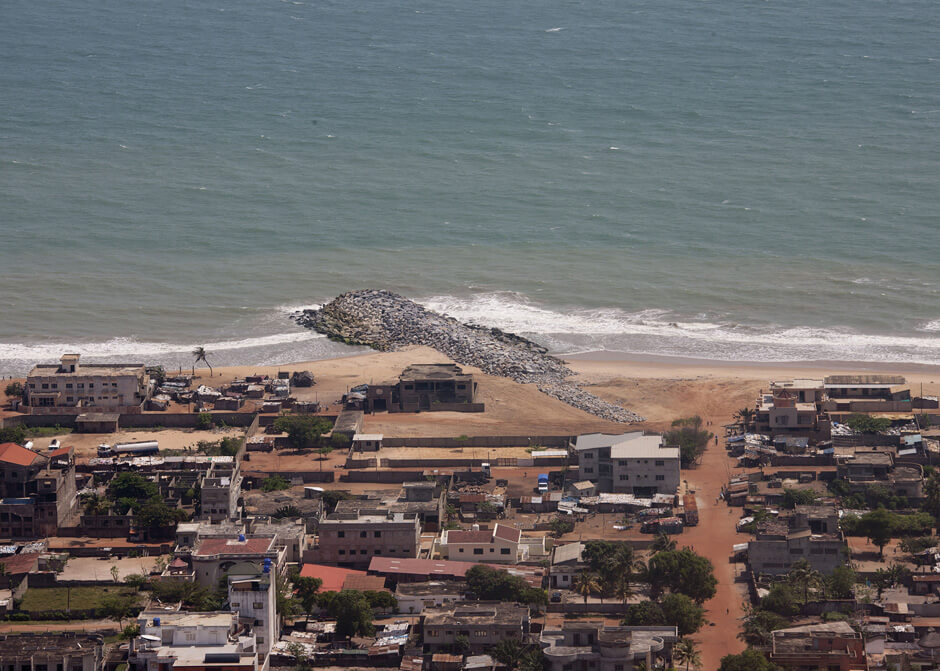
(204, 421)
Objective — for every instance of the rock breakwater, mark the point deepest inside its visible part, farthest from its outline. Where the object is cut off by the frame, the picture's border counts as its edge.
(386, 321)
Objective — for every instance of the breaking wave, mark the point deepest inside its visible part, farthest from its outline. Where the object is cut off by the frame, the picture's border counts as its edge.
(659, 332)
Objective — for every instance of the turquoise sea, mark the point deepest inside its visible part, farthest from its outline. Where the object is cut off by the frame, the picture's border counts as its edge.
(732, 179)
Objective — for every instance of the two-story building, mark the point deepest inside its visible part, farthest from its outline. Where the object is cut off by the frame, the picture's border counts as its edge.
(354, 538)
(834, 646)
(500, 545)
(482, 623)
(628, 463)
(38, 491)
(70, 387)
(220, 492)
(865, 468)
(780, 543)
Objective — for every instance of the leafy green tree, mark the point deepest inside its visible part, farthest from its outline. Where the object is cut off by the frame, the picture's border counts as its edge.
(749, 660)
(204, 421)
(682, 571)
(339, 441)
(461, 644)
(894, 574)
(914, 545)
(860, 423)
(130, 631)
(644, 614)
(307, 590)
(118, 607)
(561, 526)
(841, 584)
(686, 653)
(932, 497)
(303, 431)
(688, 435)
(158, 517)
(332, 496)
(200, 354)
(781, 600)
(877, 527)
(13, 434)
(381, 600)
(798, 497)
(494, 584)
(14, 390)
(353, 614)
(131, 486)
(758, 625)
(136, 580)
(274, 483)
(323, 451)
(532, 660)
(683, 613)
(508, 652)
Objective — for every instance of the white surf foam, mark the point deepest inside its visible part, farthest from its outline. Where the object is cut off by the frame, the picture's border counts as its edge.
(140, 350)
(660, 332)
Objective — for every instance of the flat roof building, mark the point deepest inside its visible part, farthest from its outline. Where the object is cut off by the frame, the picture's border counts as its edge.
(70, 387)
(628, 463)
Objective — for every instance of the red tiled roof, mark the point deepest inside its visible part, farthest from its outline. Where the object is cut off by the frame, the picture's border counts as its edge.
(507, 533)
(12, 453)
(333, 577)
(178, 563)
(455, 536)
(230, 546)
(426, 567)
(61, 451)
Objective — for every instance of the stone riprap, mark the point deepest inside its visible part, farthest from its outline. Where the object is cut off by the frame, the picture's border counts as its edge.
(386, 321)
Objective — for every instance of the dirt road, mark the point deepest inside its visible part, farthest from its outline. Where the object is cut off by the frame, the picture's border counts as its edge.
(713, 538)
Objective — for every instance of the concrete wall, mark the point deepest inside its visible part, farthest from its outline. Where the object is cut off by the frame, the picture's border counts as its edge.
(479, 441)
(383, 476)
(184, 420)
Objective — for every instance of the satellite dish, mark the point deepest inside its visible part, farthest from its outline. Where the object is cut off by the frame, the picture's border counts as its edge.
(150, 637)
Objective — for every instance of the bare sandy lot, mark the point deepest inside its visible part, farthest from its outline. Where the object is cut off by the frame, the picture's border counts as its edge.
(86, 444)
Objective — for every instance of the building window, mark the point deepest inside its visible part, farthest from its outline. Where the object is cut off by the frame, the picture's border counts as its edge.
(342, 552)
(477, 551)
(68, 385)
(504, 551)
(660, 462)
(341, 534)
(257, 605)
(588, 455)
(378, 534)
(588, 469)
(234, 604)
(660, 477)
(363, 534)
(460, 550)
(624, 476)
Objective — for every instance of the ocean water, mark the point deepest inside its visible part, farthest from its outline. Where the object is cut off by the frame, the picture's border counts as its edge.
(730, 179)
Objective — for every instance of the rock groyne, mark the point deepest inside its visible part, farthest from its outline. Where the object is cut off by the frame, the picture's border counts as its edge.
(386, 321)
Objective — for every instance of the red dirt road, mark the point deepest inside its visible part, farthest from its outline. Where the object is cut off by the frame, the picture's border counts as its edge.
(713, 538)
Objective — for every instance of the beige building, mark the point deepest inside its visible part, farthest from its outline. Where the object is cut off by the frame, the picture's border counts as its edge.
(193, 641)
(592, 646)
(482, 623)
(220, 491)
(70, 387)
(499, 545)
(352, 539)
(628, 463)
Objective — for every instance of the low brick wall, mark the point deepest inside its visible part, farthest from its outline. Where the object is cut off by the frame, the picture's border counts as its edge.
(478, 441)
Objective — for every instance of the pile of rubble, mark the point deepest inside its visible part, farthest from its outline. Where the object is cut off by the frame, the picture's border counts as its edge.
(386, 321)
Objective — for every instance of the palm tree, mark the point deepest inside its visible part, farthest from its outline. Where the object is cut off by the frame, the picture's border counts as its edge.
(586, 584)
(509, 652)
(623, 590)
(684, 651)
(200, 354)
(804, 575)
(663, 543)
(746, 415)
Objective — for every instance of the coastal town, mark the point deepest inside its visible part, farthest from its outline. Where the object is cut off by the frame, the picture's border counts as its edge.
(462, 500)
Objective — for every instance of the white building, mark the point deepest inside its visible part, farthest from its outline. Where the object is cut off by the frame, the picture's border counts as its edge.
(252, 593)
(187, 641)
(628, 463)
(96, 386)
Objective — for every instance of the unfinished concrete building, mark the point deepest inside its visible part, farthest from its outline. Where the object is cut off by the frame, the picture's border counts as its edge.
(425, 387)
